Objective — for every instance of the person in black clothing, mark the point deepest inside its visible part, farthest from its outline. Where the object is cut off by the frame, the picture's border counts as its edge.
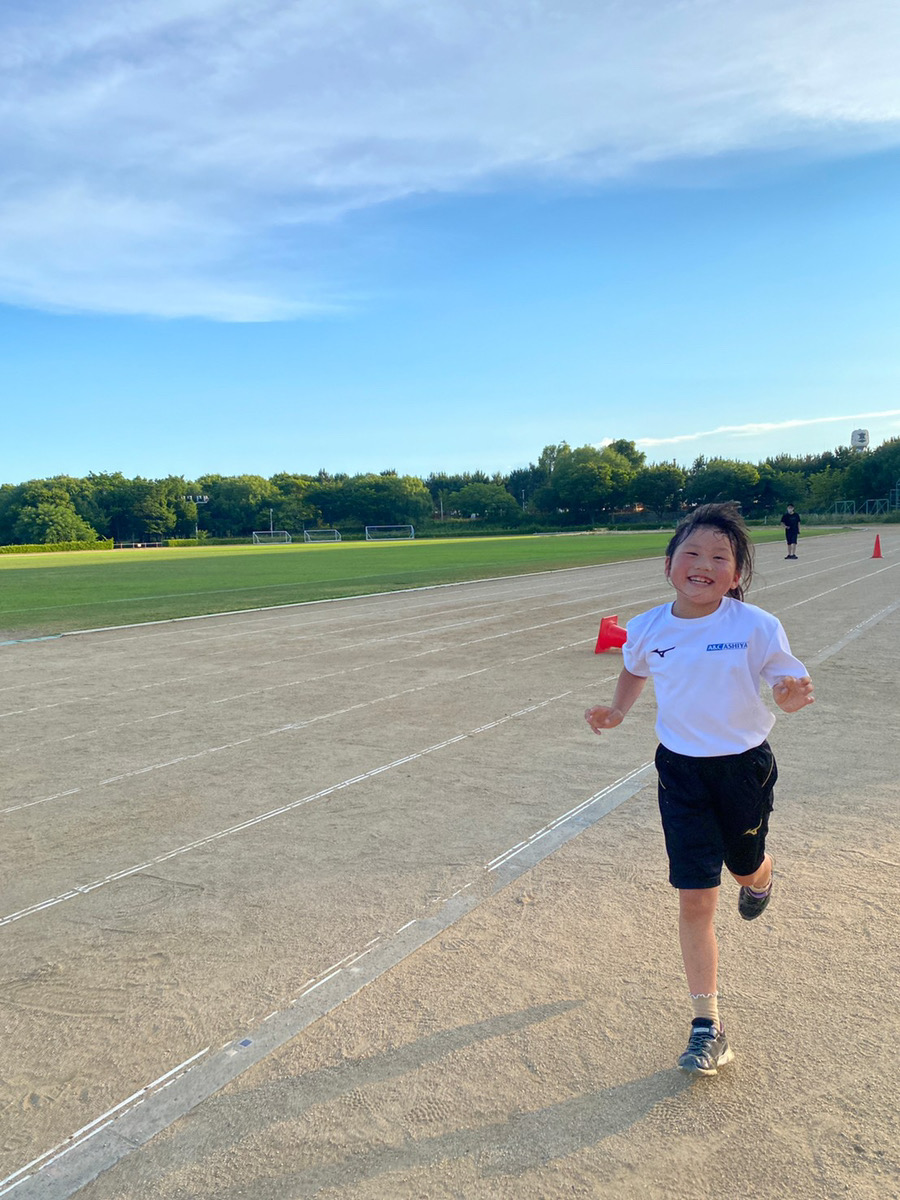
(791, 523)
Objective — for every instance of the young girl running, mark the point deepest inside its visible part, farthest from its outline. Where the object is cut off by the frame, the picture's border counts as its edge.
(707, 653)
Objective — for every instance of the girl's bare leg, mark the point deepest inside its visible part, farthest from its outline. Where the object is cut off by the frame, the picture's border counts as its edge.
(699, 949)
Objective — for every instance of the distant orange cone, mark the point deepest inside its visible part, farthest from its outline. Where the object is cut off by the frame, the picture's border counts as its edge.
(876, 553)
(611, 635)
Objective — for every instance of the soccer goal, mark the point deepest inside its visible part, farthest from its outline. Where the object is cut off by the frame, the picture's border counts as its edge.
(271, 537)
(321, 535)
(389, 533)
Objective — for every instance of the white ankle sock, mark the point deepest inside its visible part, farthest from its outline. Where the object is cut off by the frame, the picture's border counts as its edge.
(707, 1005)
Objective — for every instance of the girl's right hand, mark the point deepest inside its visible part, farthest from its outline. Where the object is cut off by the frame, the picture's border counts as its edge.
(600, 717)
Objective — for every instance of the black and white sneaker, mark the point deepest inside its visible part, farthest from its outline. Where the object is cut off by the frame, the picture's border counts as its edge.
(707, 1049)
(751, 903)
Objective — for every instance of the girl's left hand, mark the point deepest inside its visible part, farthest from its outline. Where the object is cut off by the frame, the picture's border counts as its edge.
(791, 694)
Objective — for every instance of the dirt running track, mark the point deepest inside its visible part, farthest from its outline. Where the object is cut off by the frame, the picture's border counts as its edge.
(293, 906)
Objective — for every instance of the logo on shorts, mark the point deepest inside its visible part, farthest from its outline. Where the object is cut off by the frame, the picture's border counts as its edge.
(727, 646)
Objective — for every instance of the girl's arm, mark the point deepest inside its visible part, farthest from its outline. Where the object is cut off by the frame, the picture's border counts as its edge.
(628, 688)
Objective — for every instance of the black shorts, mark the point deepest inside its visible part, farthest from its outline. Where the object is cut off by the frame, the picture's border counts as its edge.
(715, 811)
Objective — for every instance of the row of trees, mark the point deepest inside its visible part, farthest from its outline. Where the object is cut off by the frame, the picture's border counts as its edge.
(565, 486)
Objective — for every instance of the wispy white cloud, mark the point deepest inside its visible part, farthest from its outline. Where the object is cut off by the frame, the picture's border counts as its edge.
(153, 150)
(757, 428)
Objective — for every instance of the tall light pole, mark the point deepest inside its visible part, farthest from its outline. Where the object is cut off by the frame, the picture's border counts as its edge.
(198, 500)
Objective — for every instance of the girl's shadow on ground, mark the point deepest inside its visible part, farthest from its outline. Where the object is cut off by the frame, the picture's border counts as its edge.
(525, 1141)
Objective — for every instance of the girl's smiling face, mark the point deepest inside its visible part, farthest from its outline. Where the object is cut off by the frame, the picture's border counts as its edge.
(702, 570)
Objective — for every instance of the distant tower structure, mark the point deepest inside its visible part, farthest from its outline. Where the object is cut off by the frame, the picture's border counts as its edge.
(859, 439)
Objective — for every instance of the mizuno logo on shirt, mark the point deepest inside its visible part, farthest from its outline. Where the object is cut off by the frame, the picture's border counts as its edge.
(662, 653)
(727, 646)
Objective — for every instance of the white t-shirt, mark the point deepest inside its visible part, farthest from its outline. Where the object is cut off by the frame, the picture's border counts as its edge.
(706, 672)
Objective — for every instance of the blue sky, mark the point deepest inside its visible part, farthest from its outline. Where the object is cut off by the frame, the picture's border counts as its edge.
(259, 236)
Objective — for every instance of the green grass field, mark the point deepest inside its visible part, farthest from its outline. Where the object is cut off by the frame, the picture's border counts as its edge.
(45, 594)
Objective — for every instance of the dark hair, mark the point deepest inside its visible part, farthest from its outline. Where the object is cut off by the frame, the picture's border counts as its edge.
(726, 519)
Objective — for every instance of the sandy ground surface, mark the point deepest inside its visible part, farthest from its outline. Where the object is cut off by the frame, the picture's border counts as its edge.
(400, 745)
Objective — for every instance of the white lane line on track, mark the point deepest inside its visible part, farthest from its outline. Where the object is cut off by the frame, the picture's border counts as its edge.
(854, 633)
(324, 793)
(94, 1127)
(837, 587)
(9, 687)
(639, 773)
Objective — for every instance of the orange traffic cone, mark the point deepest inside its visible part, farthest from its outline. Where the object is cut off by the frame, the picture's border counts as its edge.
(611, 635)
(876, 553)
